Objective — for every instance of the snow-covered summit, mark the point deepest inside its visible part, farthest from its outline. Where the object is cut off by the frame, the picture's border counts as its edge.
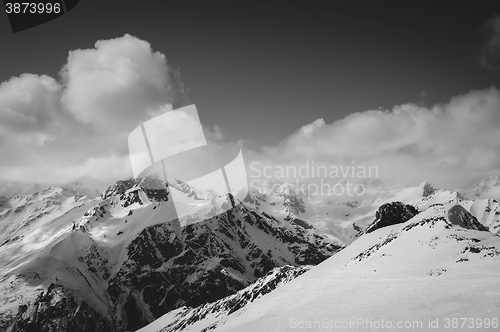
(424, 269)
(124, 258)
(484, 187)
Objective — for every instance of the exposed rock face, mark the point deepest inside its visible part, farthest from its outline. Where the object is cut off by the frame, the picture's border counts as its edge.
(293, 198)
(121, 265)
(428, 189)
(58, 310)
(301, 223)
(205, 315)
(169, 267)
(391, 214)
(459, 216)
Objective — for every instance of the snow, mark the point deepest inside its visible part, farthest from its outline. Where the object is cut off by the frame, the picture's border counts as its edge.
(420, 270)
(414, 277)
(31, 223)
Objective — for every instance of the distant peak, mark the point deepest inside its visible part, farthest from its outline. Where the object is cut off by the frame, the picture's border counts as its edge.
(487, 186)
(427, 188)
(425, 183)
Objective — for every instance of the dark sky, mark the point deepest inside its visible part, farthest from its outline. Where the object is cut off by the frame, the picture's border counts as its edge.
(261, 70)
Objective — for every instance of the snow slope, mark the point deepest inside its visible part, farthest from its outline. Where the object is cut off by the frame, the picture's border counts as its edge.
(204, 316)
(28, 224)
(121, 260)
(425, 268)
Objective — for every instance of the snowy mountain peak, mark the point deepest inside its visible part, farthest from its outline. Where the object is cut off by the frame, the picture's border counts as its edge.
(427, 188)
(125, 259)
(127, 255)
(484, 187)
(119, 187)
(287, 189)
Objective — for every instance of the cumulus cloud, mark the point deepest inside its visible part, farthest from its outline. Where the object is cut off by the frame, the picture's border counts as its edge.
(30, 108)
(117, 83)
(447, 144)
(76, 127)
(490, 55)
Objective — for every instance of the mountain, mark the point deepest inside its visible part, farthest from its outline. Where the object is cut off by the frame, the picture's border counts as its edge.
(27, 224)
(17, 188)
(205, 317)
(433, 267)
(342, 216)
(484, 187)
(402, 246)
(487, 211)
(123, 259)
(79, 188)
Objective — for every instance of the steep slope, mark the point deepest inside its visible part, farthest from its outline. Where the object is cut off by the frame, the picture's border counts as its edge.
(404, 275)
(169, 266)
(459, 216)
(127, 260)
(487, 211)
(27, 224)
(207, 315)
(119, 261)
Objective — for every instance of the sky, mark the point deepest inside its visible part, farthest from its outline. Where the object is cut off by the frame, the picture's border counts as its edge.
(410, 87)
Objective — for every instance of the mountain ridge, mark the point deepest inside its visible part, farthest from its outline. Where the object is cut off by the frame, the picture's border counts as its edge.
(115, 257)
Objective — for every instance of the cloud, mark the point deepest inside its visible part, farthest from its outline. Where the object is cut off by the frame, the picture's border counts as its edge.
(77, 127)
(448, 144)
(214, 134)
(30, 107)
(117, 83)
(490, 55)
(309, 129)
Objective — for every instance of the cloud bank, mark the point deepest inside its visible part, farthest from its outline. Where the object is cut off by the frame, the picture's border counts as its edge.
(77, 127)
(448, 144)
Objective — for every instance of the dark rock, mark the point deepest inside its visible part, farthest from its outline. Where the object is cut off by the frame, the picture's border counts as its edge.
(459, 216)
(391, 214)
(59, 311)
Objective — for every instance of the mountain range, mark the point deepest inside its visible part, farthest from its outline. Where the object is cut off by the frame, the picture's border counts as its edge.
(72, 260)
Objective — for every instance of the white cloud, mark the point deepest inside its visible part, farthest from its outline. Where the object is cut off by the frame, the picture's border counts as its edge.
(30, 105)
(53, 131)
(309, 129)
(57, 132)
(447, 144)
(117, 83)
